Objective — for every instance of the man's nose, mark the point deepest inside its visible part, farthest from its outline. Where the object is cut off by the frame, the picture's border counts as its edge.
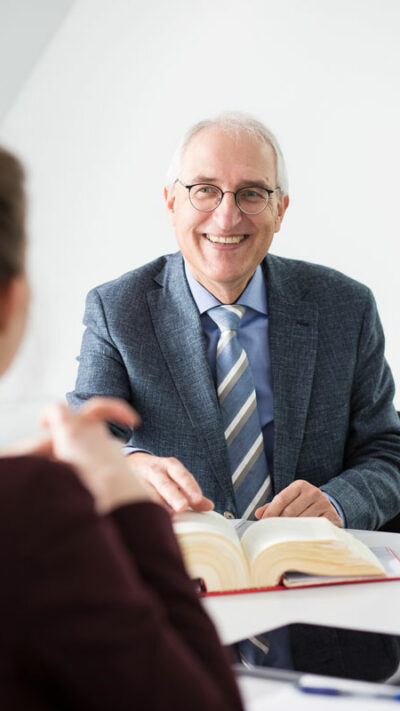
(227, 215)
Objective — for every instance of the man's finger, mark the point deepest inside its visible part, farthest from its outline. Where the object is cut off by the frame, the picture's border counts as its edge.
(301, 503)
(172, 481)
(167, 489)
(185, 480)
(178, 487)
(259, 513)
(279, 503)
(203, 505)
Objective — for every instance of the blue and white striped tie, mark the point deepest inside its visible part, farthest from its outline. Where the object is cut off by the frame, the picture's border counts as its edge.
(237, 398)
(250, 477)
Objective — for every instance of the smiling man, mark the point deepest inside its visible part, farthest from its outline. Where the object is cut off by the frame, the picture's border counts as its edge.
(228, 234)
(261, 381)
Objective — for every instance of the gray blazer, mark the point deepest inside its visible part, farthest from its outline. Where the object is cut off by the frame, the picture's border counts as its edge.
(334, 420)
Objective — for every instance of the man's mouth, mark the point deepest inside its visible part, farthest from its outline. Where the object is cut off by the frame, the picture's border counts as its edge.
(232, 239)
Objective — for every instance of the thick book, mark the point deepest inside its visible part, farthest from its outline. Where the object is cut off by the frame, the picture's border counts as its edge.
(232, 556)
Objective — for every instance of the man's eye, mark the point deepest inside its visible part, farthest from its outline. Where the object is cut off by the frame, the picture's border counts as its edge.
(205, 191)
(208, 190)
(251, 194)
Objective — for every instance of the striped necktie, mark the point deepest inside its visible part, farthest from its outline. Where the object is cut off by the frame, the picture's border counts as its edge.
(237, 397)
(250, 477)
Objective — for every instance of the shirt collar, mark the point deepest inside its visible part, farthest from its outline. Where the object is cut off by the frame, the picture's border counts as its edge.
(254, 296)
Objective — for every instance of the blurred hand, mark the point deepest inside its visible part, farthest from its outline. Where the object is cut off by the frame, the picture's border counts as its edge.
(83, 440)
(300, 498)
(173, 484)
(100, 409)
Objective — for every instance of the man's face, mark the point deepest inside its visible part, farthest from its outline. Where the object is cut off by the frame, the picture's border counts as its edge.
(230, 162)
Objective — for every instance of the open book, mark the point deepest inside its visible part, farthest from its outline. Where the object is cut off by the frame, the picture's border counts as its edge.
(275, 552)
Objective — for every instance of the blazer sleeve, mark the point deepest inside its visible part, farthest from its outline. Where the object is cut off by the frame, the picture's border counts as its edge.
(108, 614)
(368, 488)
(101, 369)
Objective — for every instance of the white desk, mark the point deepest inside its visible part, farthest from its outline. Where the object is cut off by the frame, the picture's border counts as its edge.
(372, 607)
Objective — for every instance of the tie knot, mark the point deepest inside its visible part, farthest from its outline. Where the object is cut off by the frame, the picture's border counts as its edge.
(227, 317)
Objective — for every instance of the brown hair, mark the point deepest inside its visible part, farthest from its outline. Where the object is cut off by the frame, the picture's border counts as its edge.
(12, 217)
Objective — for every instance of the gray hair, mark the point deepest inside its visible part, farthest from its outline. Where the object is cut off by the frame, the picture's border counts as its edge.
(234, 122)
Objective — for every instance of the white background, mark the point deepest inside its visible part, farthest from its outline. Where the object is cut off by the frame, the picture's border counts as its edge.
(102, 105)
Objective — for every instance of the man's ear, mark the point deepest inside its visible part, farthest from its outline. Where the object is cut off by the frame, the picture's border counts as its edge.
(282, 206)
(169, 197)
(10, 301)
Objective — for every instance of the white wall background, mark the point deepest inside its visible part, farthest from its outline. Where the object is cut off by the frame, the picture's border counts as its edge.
(103, 108)
(26, 28)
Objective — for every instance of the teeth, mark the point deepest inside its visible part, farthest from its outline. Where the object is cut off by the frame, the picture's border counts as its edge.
(235, 239)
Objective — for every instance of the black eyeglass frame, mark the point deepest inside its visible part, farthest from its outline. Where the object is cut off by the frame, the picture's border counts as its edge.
(224, 192)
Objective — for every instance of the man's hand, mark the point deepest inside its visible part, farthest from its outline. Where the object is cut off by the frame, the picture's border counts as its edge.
(173, 483)
(300, 499)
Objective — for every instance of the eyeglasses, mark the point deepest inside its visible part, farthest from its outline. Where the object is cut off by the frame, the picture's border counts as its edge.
(250, 200)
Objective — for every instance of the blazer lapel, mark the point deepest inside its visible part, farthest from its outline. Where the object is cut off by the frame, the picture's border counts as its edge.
(293, 336)
(179, 333)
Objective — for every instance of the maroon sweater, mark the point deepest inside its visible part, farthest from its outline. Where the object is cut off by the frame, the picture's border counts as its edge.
(97, 611)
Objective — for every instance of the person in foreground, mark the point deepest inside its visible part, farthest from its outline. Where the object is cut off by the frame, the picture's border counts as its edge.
(96, 609)
(261, 381)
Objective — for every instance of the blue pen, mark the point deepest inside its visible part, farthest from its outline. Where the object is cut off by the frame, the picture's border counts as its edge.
(324, 690)
(310, 685)
(323, 685)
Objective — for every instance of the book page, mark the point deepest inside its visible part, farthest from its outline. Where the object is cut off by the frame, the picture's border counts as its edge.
(211, 550)
(272, 531)
(388, 559)
(309, 545)
(207, 522)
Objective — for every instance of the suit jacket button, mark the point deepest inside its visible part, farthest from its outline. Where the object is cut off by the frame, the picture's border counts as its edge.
(229, 514)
